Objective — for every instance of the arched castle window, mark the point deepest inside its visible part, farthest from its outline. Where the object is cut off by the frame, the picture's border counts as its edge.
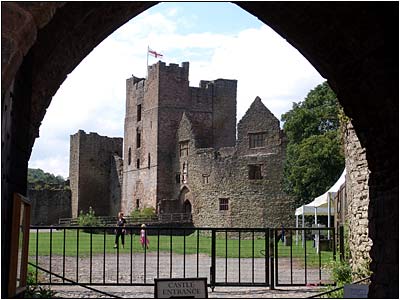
(148, 160)
(138, 163)
(129, 155)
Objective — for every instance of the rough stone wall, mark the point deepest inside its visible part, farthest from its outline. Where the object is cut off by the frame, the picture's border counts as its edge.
(116, 170)
(49, 205)
(357, 196)
(213, 174)
(90, 174)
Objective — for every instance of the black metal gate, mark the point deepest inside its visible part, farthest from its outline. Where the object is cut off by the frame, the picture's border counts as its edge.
(226, 256)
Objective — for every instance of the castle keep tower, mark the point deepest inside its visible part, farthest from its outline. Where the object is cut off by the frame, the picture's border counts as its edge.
(154, 108)
(95, 179)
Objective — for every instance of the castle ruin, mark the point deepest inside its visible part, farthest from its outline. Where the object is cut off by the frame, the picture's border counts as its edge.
(181, 154)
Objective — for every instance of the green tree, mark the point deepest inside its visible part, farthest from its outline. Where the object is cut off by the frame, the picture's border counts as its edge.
(314, 159)
(41, 179)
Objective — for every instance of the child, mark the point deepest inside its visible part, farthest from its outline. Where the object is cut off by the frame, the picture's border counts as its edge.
(143, 237)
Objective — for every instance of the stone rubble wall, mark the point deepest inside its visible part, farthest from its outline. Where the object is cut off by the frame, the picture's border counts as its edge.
(357, 191)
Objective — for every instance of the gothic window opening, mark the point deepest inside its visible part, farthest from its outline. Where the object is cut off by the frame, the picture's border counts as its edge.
(255, 172)
(129, 155)
(148, 161)
(138, 163)
(205, 178)
(223, 203)
(184, 172)
(139, 112)
(178, 177)
(257, 140)
(184, 148)
(138, 138)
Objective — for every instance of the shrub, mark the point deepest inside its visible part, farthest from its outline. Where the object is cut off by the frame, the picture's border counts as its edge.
(89, 219)
(35, 291)
(145, 213)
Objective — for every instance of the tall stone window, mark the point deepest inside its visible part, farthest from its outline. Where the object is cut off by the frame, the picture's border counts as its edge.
(137, 204)
(138, 138)
(138, 163)
(223, 203)
(184, 172)
(139, 112)
(257, 140)
(184, 148)
(255, 172)
(205, 178)
(129, 155)
(148, 161)
(178, 177)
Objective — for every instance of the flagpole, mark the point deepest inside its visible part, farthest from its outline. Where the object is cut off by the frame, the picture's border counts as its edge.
(147, 62)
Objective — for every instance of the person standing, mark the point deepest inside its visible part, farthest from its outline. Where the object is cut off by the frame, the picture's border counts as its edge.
(120, 231)
(144, 241)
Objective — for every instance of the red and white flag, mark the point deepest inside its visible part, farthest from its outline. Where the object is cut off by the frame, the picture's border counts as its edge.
(154, 53)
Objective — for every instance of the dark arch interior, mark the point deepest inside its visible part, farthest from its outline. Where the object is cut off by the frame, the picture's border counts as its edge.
(354, 45)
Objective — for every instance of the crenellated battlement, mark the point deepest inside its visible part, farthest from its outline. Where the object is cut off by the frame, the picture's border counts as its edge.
(170, 70)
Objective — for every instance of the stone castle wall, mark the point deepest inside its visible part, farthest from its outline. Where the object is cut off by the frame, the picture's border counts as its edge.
(213, 174)
(48, 206)
(357, 195)
(92, 156)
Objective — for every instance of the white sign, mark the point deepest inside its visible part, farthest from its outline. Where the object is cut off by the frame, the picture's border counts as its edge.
(355, 291)
(181, 288)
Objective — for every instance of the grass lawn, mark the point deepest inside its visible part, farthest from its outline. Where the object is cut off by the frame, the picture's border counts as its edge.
(100, 243)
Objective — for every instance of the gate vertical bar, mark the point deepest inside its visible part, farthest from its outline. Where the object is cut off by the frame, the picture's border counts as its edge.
(63, 256)
(276, 244)
(104, 256)
(184, 253)
(291, 256)
(37, 253)
(305, 256)
(266, 256)
(118, 260)
(131, 273)
(239, 255)
(91, 254)
(252, 259)
(77, 255)
(226, 256)
(271, 258)
(197, 255)
(51, 249)
(213, 259)
(158, 253)
(319, 256)
(170, 253)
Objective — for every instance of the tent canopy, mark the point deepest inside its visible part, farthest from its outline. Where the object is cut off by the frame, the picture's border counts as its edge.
(321, 202)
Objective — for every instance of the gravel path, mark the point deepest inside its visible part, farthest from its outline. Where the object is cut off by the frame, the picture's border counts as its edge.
(145, 268)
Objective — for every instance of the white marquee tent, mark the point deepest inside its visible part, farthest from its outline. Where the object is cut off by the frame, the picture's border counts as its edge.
(322, 205)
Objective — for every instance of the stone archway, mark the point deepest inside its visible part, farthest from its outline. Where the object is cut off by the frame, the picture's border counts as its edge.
(185, 200)
(353, 45)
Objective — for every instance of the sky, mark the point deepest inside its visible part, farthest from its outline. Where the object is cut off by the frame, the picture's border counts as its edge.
(218, 39)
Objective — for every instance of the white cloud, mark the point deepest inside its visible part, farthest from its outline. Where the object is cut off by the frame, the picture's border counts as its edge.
(92, 98)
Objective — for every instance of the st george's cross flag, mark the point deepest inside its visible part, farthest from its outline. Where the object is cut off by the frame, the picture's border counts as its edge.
(154, 53)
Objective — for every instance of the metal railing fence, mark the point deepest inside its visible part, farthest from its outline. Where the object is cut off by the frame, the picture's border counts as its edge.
(226, 256)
